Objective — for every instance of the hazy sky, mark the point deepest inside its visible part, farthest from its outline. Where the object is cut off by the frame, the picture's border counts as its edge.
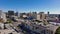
(53, 6)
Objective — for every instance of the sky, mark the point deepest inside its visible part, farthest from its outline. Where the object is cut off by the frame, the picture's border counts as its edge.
(53, 6)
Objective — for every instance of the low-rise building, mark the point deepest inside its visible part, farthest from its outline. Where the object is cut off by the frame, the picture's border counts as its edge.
(6, 31)
(42, 29)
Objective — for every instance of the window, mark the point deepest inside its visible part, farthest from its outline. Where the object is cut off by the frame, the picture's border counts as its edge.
(37, 27)
(10, 33)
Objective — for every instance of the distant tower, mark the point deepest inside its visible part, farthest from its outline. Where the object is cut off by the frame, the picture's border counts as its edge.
(59, 17)
(48, 13)
(17, 14)
(30, 13)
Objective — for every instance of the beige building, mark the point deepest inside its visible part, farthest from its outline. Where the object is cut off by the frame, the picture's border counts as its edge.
(41, 16)
(38, 17)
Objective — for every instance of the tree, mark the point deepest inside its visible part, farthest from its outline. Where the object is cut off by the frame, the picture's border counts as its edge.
(57, 31)
(9, 21)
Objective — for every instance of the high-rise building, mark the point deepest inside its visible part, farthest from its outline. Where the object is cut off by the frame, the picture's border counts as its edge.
(38, 17)
(41, 15)
(10, 12)
(17, 14)
(59, 17)
(21, 15)
(34, 14)
(48, 13)
(3, 16)
(0, 13)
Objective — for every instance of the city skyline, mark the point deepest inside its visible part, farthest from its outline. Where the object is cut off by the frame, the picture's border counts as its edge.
(31, 5)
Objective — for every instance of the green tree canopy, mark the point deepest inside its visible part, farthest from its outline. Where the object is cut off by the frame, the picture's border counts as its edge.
(57, 31)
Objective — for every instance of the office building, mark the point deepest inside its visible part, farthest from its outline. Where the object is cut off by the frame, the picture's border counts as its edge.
(34, 14)
(59, 17)
(41, 16)
(38, 17)
(22, 14)
(10, 12)
(17, 14)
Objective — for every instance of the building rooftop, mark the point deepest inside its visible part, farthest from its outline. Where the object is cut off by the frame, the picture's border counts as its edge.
(7, 31)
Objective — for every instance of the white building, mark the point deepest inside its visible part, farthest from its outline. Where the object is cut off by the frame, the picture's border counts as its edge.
(24, 15)
(1, 26)
(3, 16)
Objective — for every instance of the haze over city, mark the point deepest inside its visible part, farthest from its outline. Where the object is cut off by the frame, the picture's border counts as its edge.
(53, 6)
(29, 16)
